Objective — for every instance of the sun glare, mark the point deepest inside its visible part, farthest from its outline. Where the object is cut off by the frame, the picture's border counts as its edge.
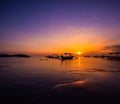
(79, 53)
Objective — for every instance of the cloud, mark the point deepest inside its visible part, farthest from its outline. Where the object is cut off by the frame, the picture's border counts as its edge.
(112, 48)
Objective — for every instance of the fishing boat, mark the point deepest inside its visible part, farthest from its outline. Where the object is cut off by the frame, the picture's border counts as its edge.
(66, 56)
(113, 58)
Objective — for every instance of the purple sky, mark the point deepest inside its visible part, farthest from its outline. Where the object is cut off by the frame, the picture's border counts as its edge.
(40, 26)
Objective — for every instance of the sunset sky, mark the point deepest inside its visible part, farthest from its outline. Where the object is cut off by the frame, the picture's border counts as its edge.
(56, 26)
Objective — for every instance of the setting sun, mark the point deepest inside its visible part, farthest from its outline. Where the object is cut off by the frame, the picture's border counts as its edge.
(79, 53)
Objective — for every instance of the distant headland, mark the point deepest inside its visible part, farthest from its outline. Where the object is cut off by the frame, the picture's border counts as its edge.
(15, 55)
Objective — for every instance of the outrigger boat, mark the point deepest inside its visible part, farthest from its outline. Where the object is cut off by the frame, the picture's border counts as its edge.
(66, 56)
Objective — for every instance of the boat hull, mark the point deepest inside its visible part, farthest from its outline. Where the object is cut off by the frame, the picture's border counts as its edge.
(67, 57)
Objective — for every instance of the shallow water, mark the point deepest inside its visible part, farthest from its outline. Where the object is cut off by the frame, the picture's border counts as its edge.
(33, 79)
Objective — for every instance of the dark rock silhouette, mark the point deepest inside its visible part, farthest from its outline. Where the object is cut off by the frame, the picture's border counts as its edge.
(15, 55)
(20, 55)
(5, 55)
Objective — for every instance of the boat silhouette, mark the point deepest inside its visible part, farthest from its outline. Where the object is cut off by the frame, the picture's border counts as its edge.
(66, 56)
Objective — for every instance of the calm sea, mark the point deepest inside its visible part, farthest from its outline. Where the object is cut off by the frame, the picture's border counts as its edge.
(32, 79)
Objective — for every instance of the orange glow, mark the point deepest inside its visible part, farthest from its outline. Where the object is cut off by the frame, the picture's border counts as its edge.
(68, 39)
(79, 53)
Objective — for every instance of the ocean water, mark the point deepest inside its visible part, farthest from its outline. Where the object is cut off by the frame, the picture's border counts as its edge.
(38, 79)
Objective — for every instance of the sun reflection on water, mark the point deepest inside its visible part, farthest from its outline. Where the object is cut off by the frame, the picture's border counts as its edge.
(79, 61)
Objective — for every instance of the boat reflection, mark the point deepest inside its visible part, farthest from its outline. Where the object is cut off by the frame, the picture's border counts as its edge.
(66, 63)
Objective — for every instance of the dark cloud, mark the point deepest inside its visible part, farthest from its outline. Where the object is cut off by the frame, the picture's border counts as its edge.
(112, 48)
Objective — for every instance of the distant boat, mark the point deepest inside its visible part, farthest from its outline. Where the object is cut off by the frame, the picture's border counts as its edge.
(113, 58)
(52, 56)
(67, 56)
(86, 56)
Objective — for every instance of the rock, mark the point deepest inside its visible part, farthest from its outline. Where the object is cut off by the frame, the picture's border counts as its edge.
(15, 55)
(5, 55)
(20, 55)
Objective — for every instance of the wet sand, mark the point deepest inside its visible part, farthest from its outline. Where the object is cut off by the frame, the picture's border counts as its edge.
(84, 91)
(87, 91)
(31, 81)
